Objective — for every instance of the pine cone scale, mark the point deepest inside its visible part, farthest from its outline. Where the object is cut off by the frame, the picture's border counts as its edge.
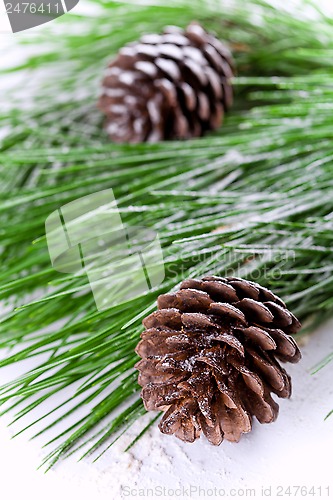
(261, 337)
(218, 291)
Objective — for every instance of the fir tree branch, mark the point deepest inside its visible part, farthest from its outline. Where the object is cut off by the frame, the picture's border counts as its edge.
(258, 201)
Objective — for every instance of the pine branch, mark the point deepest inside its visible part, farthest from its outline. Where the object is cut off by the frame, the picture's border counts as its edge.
(258, 201)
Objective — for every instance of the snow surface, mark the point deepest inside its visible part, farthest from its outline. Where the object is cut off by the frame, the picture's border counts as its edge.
(293, 451)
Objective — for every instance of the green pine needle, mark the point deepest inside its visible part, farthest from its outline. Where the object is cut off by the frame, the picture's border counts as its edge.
(254, 198)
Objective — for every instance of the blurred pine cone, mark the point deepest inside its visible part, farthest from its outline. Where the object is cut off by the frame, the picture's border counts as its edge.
(210, 358)
(170, 86)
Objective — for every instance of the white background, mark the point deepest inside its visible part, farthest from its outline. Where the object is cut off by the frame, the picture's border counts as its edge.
(294, 451)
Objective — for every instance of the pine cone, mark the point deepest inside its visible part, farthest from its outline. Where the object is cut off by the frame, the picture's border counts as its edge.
(210, 358)
(170, 86)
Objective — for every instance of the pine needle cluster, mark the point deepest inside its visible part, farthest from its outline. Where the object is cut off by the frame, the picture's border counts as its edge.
(255, 198)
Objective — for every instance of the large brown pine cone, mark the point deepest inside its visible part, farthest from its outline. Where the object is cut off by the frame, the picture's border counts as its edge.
(209, 357)
(170, 86)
